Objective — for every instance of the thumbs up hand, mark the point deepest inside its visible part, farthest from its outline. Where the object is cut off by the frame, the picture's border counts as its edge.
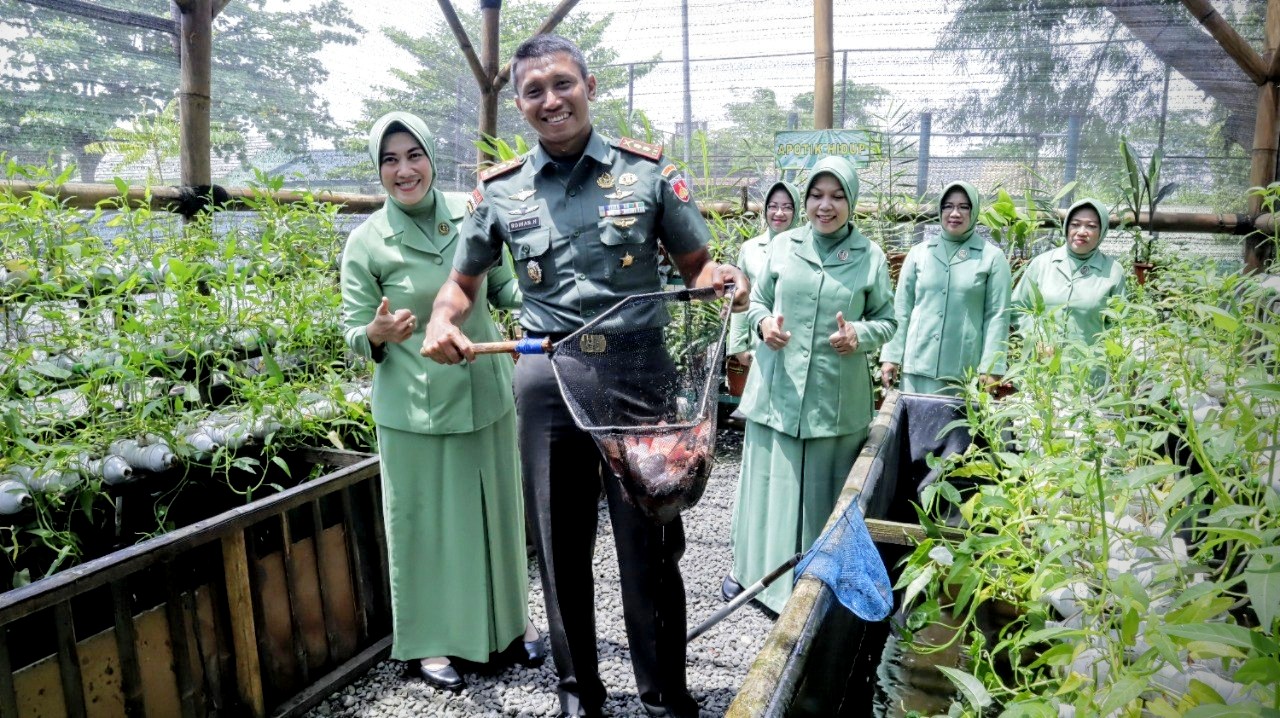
(388, 326)
(773, 334)
(844, 339)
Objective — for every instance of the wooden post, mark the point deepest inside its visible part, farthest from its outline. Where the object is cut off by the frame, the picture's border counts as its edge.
(1262, 171)
(196, 42)
(489, 12)
(824, 64)
(1237, 47)
(244, 634)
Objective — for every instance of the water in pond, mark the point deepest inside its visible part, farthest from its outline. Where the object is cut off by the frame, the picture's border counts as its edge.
(908, 681)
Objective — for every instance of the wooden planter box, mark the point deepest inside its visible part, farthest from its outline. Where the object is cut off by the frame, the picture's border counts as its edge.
(820, 659)
(261, 610)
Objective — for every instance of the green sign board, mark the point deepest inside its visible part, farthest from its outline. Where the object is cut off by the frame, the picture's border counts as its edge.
(801, 149)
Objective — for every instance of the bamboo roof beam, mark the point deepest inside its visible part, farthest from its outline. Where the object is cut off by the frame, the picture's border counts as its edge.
(1236, 46)
(92, 11)
(464, 43)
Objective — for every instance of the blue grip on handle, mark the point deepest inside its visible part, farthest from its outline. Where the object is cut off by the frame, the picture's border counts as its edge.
(529, 345)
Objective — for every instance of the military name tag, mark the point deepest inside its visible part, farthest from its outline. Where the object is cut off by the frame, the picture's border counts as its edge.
(619, 194)
(534, 270)
(516, 225)
(628, 179)
(623, 209)
(522, 195)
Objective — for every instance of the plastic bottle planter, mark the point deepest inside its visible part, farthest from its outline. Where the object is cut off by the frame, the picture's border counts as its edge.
(152, 454)
(14, 497)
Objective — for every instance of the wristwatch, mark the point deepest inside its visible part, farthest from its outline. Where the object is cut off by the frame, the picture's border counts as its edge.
(759, 331)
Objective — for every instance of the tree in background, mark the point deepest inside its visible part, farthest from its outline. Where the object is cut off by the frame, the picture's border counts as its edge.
(440, 88)
(68, 81)
(154, 135)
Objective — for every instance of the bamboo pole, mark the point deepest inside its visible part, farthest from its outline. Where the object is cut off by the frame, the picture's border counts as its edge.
(1262, 170)
(464, 43)
(196, 40)
(552, 22)
(82, 195)
(824, 64)
(1237, 47)
(489, 13)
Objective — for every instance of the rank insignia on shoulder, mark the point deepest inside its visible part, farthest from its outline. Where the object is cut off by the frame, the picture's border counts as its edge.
(516, 225)
(500, 169)
(668, 170)
(636, 147)
(522, 195)
(680, 187)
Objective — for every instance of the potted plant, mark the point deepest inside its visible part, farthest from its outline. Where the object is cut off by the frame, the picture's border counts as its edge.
(1142, 190)
(1015, 228)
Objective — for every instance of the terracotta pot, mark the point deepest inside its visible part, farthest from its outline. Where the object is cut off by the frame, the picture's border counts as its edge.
(1141, 270)
(736, 374)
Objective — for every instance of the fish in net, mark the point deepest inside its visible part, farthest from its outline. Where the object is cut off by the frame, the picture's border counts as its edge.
(642, 379)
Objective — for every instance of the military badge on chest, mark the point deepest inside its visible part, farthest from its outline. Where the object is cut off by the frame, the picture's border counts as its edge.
(524, 222)
(534, 271)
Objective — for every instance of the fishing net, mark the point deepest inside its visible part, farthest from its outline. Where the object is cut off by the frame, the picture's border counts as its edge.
(845, 558)
(642, 379)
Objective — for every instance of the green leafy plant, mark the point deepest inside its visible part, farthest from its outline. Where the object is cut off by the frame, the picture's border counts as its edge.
(1141, 190)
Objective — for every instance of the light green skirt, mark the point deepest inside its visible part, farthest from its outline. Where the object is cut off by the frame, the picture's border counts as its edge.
(786, 491)
(454, 516)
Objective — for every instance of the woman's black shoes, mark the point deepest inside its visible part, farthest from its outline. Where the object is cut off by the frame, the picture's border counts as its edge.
(529, 654)
(730, 588)
(444, 677)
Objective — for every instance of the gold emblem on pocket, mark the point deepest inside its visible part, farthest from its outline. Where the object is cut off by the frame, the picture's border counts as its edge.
(534, 270)
(627, 259)
(591, 343)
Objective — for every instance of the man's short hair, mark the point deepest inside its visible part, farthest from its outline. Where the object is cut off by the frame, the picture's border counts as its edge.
(542, 46)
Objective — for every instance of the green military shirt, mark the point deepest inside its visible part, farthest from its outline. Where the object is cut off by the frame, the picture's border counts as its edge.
(806, 389)
(584, 236)
(953, 312)
(411, 392)
(751, 259)
(1078, 289)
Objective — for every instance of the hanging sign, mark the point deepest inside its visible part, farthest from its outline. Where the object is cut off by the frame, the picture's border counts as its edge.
(801, 149)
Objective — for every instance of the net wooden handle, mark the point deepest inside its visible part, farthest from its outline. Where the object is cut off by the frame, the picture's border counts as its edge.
(520, 346)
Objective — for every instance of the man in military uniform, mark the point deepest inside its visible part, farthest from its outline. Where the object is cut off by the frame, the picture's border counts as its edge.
(583, 217)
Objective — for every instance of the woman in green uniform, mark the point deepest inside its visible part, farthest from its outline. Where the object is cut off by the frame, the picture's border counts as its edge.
(452, 500)
(952, 304)
(1075, 280)
(782, 211)
(820, 306)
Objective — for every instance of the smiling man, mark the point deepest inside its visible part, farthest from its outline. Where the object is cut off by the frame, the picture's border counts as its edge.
(584, 218)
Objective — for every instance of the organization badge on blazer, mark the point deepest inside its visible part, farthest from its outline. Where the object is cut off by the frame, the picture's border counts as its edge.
(604, 181)
(534, 270)
(842, 255)
(963, 254)
(628, 179)
(443, 228)
(1084, 271)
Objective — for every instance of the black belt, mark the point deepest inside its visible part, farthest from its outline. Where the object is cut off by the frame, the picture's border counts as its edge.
(650, 338)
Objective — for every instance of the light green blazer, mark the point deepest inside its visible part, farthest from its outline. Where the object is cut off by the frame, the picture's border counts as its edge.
(805, 389)
(1079, 290)
(411, 392)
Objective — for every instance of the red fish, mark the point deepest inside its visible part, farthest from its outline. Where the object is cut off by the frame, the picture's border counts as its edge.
(663, 471)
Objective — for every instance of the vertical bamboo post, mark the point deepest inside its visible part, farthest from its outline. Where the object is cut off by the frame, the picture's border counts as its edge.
(196, 43)
(244, 634)
(824, 64)
(489, 11)
(1265, 139)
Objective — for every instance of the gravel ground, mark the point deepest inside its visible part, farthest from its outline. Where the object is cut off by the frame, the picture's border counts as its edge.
(718, 660)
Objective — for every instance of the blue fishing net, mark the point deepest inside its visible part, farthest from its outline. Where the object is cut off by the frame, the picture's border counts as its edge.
(845, 558)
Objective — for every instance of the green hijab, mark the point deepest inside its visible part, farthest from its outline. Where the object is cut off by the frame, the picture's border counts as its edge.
(975, 201)
(423, 211)
(1103, 221)
(847, 175)
(794, 193)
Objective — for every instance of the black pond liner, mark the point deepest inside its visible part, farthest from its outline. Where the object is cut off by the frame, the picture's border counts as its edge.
(831, 661)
